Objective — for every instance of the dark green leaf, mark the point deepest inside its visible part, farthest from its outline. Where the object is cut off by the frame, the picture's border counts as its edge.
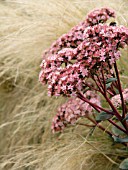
(103, 116)
(124, 164)
(108, 85)
(116, 90)
(120, 140)
(117, 131)
(110, 80)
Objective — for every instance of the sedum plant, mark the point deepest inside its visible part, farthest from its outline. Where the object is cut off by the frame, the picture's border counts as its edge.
(82, 66)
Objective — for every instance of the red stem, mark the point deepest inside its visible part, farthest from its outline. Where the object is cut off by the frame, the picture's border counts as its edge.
(96, 107)
(97, 85)
(122, 99)
(110, 92)
(93, 88)
(120, 90)
(104, 83)
(100, 126)
(116, 113)
(108, 100)
(119, 127)
(100, 82)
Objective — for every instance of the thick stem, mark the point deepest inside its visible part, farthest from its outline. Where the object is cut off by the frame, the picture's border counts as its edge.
(116, 113)
(122, 99)
(120, 90)
(102, 86)
(106, 97)
(108, 100)
(110, 92)
(112, 88)
(119, 127)
(96, 107)
(104, 83)
(113, 75)
(103, 129)
(91, 87)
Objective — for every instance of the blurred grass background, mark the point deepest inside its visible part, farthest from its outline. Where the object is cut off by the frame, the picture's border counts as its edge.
(27, 28)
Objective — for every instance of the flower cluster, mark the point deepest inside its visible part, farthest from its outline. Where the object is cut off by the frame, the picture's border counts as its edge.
(75, 108)
(99, 16)
(81, 64)
(117, 101)
(75, 36)
(65, 71)
(102, 42)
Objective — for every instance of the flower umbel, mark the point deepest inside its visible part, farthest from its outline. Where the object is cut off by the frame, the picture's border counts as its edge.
(74, 109)
(116, 100)
(91, 45)
(81, 64)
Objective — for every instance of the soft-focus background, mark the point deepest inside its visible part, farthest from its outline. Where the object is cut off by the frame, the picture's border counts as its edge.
(27, 27)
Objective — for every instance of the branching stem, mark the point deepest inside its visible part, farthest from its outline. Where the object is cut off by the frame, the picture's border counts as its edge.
(120, 90)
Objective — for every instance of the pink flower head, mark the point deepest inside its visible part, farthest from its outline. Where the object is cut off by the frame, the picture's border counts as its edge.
(99, 16)
(72, 110)
(117, 101)
(80, 54)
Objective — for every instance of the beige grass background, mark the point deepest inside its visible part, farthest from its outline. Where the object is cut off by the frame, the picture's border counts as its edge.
(27, 27)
